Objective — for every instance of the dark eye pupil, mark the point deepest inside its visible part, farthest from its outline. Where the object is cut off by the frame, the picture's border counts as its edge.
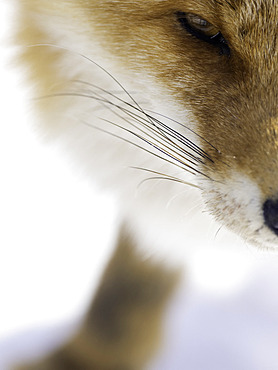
(203, 30)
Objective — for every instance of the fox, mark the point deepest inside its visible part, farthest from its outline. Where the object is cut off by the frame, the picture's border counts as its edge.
(152, 98)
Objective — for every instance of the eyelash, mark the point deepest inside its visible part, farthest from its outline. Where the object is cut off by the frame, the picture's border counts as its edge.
(217, 40)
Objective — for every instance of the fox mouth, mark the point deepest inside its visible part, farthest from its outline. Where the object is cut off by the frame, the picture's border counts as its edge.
(239, 205)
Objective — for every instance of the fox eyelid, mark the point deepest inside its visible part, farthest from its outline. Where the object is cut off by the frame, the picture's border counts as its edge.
(216, 39)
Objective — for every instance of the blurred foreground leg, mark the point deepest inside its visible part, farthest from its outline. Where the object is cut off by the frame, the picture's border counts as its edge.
(122, 329)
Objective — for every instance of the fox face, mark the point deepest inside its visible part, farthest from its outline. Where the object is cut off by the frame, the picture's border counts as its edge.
(182, 93)
(192, 83)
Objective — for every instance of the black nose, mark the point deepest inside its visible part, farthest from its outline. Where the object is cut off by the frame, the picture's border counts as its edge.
(270, 209)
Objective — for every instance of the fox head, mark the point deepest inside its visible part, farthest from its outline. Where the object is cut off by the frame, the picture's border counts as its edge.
(207, 75)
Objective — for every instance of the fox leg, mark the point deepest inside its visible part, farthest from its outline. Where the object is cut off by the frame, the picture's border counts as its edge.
(122, 328)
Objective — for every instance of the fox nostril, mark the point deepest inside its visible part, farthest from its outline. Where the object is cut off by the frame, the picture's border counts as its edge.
(270, 209)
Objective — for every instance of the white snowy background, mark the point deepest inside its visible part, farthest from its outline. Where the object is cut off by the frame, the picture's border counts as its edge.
(56, 231)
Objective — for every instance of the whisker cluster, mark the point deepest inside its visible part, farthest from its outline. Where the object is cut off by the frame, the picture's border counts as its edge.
(173, 147)
(153, 130)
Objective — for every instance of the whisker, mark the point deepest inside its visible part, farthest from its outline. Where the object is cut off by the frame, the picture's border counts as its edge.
(217, 232)
(131, 132)
(178, 136)
(182, 139)
(172, 199)
(151, 130)
(206, 155)
(138, 146)
(154, 146)
(159, 178)
(166, 141)
(103, 100)
(165, 176)
(186, 127)
(118, 83)
(96, 64)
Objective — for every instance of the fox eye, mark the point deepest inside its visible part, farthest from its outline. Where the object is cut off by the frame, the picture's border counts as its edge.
(203, 30)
